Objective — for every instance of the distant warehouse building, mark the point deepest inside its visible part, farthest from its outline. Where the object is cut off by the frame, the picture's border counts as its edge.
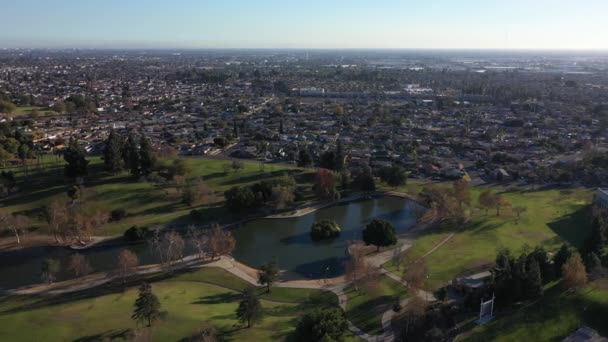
(601, 198)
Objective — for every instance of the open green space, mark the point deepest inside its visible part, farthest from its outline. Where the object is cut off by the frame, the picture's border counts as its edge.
(27, 110)
(146, 203)
(366, 306)
(556, 315)
(553, 217)
(187, 301)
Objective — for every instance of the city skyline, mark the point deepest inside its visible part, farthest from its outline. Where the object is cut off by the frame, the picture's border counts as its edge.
(387, 24)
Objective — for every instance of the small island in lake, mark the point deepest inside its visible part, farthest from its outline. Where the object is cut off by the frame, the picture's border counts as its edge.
(324, 229)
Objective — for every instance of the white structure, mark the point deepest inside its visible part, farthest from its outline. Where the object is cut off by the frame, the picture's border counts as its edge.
(486, 311)
(601, 197)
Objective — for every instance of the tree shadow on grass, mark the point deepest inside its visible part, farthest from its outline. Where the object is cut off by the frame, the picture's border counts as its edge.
(574, 227)
(219, 298)
(108, 335)
(114, 287)
(254, 178)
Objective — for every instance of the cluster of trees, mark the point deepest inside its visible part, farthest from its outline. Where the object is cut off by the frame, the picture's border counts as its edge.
(597, 242)
(324, 229)
(76, 218)
(15, 143)
(522, 277)
(489, 200)
(278, 192)
(133, 153)
(393, 175)
(74, 104)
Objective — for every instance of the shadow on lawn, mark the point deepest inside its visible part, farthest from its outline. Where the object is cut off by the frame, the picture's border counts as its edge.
(219, 298)
(255, 177)
(574, 227)
(114, 287)
(106, 336)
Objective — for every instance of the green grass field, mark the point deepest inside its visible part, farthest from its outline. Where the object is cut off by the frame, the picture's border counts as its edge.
(552, 218)
(188, 300)
(552, 318)
(29, 109)
(146, 203)
(366, 306)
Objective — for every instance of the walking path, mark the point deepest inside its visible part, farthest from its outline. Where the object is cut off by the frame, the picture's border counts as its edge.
(335, 285)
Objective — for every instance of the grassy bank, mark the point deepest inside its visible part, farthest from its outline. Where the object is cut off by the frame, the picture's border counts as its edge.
(187, 300)
(146, 203)
(552, 218)
(552, 318)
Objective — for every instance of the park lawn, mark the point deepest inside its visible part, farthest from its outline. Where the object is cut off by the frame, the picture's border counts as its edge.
(27, 110)
(187, 303)
(552, 218)
(366, 306)
(146, 203)
(553, 318)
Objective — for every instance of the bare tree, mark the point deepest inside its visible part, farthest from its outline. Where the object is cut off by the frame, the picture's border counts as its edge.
(57, 217)
(16, 224)
(415, 275)
(574, 273)
(172, 246)
(221, 242)
(198, 240)
(462, 192)
(79, 265)
(356, 267)
(127, 263)
(282, 197)
(413, 310)
(518, 211)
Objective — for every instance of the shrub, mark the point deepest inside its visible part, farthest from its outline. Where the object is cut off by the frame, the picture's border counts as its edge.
(325, 229)
(118, 214)
(136, 234)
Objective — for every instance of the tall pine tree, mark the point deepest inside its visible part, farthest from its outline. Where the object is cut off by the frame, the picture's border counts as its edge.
(131, 155)
(250, 309)
(147, 306)
(75, 156)
(113, 153)
(146, 156)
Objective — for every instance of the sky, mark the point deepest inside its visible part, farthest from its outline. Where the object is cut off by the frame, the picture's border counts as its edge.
(307, 24)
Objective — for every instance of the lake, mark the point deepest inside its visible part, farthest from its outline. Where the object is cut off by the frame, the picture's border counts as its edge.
(258, 241)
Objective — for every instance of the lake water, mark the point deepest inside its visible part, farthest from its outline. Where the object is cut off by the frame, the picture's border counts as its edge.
(259, 241)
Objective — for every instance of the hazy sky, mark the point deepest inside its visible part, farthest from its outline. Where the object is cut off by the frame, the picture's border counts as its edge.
(494, 24)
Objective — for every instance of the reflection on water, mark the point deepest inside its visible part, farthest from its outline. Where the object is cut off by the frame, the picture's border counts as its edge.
(258, 241)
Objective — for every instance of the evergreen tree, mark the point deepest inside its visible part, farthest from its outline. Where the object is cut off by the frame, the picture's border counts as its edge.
(250, 308)
(235, 129)
(268, 274)
(75, 156)
(146, 156)
(593, 264)
(147, 306)
(379, 233)
(131, 155)
(560, 258)
(339, 163)
(597, 240)
(304, 158)
(534, 283)
(328, 160)
(113, 153)
(322, 324)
